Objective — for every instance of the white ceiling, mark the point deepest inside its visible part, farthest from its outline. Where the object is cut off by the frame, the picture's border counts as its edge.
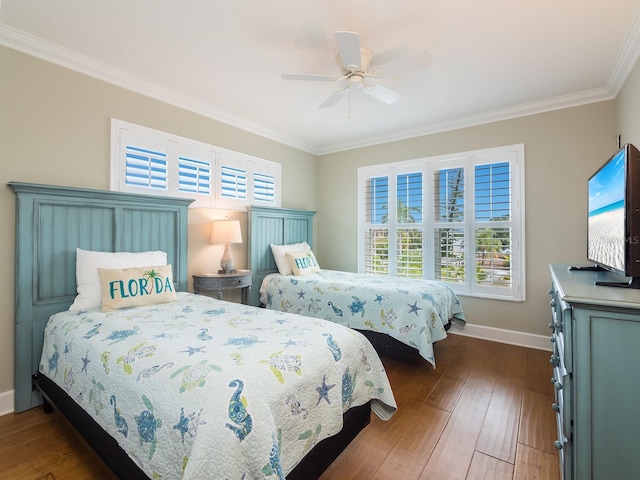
(492, 59)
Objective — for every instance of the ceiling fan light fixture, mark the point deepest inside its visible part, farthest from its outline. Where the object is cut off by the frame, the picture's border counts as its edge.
(356, 81)
(366, 57)
(355, 64)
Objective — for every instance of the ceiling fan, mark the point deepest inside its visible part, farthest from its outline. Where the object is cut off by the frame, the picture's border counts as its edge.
(358, 71)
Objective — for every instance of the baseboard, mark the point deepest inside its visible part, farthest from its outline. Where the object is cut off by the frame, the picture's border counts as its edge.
(6, 402)
(539, 342)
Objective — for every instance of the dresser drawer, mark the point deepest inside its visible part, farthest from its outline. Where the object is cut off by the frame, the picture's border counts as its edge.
(561, 327)
(222, 283)
(560, 445)
(567, 352)
(564, 447)
(562, 405)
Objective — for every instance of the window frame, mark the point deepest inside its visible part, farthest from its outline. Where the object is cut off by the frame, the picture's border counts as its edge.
(428, 166)
(176, 148)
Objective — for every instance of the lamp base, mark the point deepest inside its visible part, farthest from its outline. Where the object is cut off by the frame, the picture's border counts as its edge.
(226, 262)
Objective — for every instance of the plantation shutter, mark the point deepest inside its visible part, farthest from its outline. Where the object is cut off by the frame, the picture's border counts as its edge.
(448, 224)
(146, 168)
(234, 182)
(377, 227)
(145, 162)
(409, 230)
(493, 239)
(194, 176)
(264, 187)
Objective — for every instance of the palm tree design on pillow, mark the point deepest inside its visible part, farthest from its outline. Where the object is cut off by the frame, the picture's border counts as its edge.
(151, 274)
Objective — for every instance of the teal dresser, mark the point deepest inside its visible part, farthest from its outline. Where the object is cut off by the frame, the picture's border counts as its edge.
(596, 375)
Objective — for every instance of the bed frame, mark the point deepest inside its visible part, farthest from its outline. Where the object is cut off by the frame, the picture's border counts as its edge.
(278, 226)
(51, 222)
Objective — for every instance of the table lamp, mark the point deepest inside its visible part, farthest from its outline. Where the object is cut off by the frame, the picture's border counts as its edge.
(226, 232)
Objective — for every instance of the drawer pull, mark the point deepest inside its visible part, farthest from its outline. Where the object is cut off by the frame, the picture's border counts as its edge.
(552, 303)
(557, 444)
(556, 384)
(554, 360)
(555, 407)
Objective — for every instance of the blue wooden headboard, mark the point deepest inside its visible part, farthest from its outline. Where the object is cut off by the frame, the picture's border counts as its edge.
(276, 226)
(51, 222)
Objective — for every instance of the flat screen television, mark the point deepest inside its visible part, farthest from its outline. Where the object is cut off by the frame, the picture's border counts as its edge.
(613, 227)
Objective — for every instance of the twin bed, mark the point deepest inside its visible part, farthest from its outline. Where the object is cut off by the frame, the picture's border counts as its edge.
(394, 313)
(184, 386)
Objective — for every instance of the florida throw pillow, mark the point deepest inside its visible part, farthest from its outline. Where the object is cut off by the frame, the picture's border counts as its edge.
(303, 263)
(135, 287)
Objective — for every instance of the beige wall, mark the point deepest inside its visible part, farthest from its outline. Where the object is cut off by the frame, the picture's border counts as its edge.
(562, 149)
(55, 129)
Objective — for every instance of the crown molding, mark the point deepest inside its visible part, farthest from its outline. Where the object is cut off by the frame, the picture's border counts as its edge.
(627, 58)
(509, 113)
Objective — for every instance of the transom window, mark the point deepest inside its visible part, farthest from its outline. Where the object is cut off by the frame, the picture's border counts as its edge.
(455, 218)
(149, 161)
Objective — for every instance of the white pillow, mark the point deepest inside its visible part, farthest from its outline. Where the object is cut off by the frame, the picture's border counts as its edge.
(280, 255)
(88, 280)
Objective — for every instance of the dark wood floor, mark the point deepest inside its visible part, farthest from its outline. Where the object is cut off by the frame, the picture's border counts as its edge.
(484, 413)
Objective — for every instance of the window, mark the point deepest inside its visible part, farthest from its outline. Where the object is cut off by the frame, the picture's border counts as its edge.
(149, 161)
(194, 176)
(264, 187)
(234, 182)
(145, 168)
(456, 218)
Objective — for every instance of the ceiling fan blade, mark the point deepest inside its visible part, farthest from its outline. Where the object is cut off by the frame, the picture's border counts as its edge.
(382, 93)
(304, 76)
(403, 65)
(349, 48)
(334, 98)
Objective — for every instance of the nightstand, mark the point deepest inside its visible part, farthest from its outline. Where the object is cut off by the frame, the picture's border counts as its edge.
(224, 281)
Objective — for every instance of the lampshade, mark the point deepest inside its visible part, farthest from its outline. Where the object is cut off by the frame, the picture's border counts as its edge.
(226, 231)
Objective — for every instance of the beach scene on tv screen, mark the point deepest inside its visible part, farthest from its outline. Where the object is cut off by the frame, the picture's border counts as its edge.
(606, 214)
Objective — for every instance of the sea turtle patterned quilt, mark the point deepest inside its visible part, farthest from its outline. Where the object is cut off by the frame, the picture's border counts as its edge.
(202, 388)
(410, 310)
